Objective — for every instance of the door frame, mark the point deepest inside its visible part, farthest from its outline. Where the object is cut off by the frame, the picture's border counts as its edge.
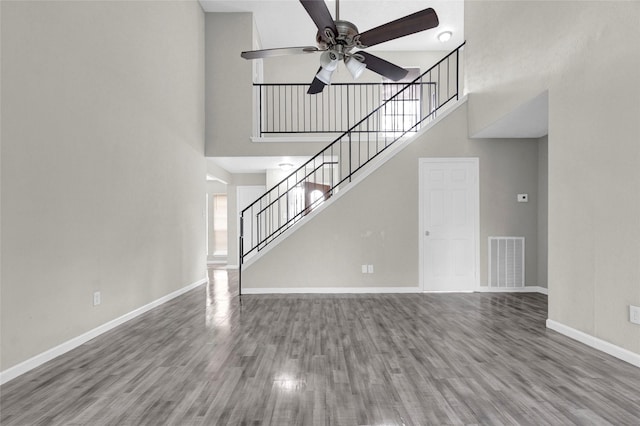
(475, 162)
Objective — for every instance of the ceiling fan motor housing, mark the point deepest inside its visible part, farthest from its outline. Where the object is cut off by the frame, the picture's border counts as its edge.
(344, 41)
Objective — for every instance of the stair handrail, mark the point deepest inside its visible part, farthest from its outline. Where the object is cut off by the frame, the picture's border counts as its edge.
(303, 167)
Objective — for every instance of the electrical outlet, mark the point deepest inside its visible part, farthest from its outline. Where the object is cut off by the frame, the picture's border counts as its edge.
(96, 298)
(634, 314)
(364, 269)
(523, 198)
(370, 269)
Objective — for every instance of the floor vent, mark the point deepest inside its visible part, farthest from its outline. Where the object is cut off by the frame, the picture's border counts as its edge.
(506, 262)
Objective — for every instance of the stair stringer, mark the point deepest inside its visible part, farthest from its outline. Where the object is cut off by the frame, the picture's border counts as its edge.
(375, 164)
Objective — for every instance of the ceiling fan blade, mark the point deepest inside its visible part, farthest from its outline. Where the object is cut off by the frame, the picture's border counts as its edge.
(282, 51)
(382, 67)
(316, 85)
(319, 13)
(410, 24)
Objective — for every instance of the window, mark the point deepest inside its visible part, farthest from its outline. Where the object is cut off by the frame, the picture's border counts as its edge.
(220, 224)
(404, 111)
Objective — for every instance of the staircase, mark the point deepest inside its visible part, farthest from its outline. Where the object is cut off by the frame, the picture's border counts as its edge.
(401, 116)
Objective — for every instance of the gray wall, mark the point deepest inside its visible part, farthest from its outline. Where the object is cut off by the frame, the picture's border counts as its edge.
(102, 164)
(586, 54)
(377, 221)
(228, 84)
(229, 92)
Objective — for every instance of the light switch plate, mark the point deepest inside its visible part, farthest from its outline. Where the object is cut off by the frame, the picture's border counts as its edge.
(634, 314)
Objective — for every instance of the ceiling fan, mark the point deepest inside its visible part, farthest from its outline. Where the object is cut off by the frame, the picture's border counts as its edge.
(337, 38)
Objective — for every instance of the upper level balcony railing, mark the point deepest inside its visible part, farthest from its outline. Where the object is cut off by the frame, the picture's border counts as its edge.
(285, 109)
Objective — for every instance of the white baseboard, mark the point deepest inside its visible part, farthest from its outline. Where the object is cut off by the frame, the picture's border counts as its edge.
(599, 344)
(526, 289)
(364, 290)
(329, 290)
(36, 361)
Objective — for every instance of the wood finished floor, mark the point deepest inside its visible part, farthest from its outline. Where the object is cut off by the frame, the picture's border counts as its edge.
(207, 359)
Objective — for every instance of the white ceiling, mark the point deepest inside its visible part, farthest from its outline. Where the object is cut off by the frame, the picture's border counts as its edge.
(528, 120)
(285, 23)
(255, 164)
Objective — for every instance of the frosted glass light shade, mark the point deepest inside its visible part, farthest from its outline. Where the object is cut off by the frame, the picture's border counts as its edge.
(329, 61)
(355, 67)
(324, 75)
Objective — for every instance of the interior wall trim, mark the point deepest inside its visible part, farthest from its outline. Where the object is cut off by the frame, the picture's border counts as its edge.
(525, 289)
(293, 139)
(596, 343)
(33, 362)
(364, 290)
(329, 290)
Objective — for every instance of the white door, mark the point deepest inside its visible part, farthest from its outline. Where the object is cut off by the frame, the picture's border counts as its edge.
(449, 214)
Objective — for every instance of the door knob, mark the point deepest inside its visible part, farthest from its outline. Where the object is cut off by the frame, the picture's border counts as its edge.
(426, 233)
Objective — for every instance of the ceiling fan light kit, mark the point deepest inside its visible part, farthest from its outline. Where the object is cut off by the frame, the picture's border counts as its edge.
(337, 38)
(285, 166)
(324, 75)
(355, 67)
(329, 60)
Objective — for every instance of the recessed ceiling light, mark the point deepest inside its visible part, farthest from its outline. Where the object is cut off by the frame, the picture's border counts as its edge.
(445, 36)
(285, 166)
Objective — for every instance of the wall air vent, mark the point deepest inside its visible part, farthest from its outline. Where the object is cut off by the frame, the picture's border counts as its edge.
(506, 262)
